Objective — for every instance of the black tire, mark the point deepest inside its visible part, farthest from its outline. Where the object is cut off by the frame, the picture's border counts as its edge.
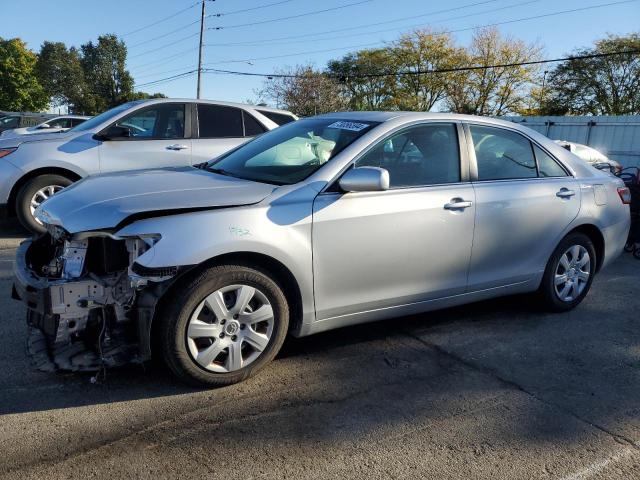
(26, 193)
(175, 317)
(547, 292)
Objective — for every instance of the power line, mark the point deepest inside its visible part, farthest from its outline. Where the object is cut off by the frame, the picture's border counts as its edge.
(393, 29)
(315, 12)
(437, 12)
(164, 60)
(163, 35)
(535, 17)
(224, 14)
(161, 20)
(163, 46)
(431, 71)
(172, 77)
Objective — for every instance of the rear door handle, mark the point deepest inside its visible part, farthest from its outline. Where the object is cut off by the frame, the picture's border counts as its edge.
(565, 193)
(177, 146)
(457, 204)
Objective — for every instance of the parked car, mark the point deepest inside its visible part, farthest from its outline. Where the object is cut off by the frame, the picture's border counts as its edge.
(325, 222)
(135, 135)
(51, 125)
(19, 120)
(592, 156)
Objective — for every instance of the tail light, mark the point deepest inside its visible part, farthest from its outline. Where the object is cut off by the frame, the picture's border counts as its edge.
(625, 195)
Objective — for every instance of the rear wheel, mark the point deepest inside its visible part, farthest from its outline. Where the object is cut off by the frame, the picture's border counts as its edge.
(569, 273)
(31, 196)
(223, 326)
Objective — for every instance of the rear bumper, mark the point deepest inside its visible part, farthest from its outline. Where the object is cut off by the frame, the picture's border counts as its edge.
(615, 237)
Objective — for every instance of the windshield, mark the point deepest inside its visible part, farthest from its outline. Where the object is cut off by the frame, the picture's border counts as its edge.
(292, 152)
(103, 117)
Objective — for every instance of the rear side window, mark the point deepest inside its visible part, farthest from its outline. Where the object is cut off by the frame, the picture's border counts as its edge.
(251, 126)
(77, 121)
(547, 166)
(502, 154)
(279, 118)
(217, 121)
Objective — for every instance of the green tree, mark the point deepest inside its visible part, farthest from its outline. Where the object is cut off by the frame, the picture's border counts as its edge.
(365, 92)
(145, 96)
(306, 92)
(598, 86)
(493, 91)
(59, 71)
(108, 81)
(19, 87)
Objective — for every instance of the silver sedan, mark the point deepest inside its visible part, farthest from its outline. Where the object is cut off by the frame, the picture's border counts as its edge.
(326, 222)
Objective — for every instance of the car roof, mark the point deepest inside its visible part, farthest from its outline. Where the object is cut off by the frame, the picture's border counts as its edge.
(383, 116)
(216, 102)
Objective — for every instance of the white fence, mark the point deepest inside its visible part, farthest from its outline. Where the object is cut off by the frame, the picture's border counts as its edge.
(616, 136)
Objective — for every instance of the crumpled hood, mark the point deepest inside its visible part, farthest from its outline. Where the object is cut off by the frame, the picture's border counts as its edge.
(104, 201)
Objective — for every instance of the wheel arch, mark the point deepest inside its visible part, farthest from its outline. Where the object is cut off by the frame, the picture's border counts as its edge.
(65, 172)
(280, 273)
(595, 235)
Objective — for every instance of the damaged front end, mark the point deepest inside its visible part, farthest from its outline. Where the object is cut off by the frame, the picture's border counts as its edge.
(90, 305)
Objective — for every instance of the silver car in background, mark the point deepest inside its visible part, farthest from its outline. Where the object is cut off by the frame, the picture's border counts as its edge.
(51, 125)
(133, 136)
(326, 222)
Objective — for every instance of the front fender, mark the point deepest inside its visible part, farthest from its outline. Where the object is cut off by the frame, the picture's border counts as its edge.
(196, 237)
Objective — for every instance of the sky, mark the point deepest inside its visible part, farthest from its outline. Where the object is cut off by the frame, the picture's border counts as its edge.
(162, 35)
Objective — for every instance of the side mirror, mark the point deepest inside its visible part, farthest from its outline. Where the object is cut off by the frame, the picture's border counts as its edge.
(114, 132)
(365, 179)
(44, 125)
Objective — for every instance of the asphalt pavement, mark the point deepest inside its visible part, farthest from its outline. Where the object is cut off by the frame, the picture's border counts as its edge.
(491, 390)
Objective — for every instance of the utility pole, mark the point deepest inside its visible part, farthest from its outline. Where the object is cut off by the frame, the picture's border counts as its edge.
(200, 49)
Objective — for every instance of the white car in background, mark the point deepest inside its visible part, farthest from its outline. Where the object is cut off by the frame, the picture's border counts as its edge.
(137, 135)
(52, 125)
(592, 156)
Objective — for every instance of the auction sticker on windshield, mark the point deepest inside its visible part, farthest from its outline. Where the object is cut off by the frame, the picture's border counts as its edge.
(353, 126)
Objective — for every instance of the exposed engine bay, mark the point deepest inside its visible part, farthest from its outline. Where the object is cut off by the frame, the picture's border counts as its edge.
(86, 303)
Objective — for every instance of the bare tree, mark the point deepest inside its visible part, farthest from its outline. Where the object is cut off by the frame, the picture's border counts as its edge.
(421, 51)
(494, 90)
(305, 92)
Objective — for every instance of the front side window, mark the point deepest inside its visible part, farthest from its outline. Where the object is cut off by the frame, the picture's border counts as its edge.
(292, 152)
(421, 155)
(60, 123)
(502, 154)
(217, 121)
(105, 116)
(161, 121)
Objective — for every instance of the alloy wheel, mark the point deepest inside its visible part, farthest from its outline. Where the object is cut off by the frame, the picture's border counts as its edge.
(40, 196)
(230, 328)
(572, 273)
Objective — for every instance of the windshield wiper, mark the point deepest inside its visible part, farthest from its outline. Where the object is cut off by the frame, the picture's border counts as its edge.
(219, 171)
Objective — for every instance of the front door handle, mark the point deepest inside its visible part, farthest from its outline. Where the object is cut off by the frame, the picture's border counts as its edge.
(177, 146)
(565, 193)
(457, 204)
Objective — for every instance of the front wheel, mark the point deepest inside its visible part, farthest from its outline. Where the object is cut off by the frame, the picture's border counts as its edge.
(223, 325)
(569, 273)
(31, 196)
